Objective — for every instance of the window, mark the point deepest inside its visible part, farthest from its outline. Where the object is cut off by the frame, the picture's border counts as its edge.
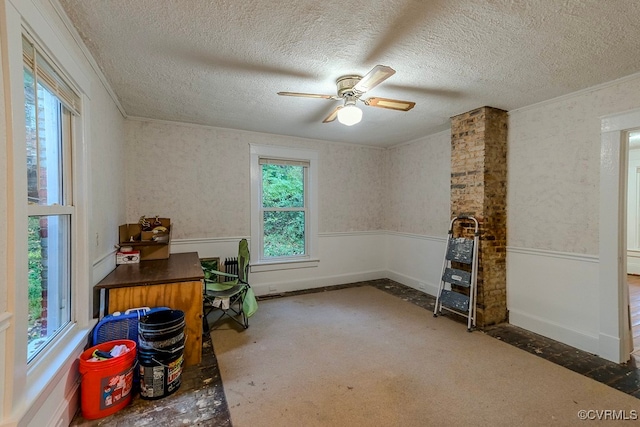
(50, 107)
(284, 206)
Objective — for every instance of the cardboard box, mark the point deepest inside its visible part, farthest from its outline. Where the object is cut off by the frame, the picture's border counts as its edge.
(132, 235)
(129, 257)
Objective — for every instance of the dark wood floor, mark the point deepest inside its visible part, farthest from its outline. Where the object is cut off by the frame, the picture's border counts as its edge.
(634, 307)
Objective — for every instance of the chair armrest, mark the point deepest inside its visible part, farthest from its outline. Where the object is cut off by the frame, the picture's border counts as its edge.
(208, 273)
(222, 273)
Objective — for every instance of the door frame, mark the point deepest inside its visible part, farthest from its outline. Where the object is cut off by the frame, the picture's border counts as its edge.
(615, 338)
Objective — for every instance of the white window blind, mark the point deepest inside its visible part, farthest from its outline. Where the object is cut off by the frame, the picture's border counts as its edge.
(285, 162)
(48, 76)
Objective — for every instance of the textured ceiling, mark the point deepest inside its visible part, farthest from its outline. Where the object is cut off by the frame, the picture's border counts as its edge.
(221, 63)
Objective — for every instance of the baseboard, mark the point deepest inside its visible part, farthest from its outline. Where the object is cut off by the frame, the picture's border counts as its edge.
(607, 349)
(316, 282)
(633, 261)
(556, 332)
(428, 288)
(68, 408)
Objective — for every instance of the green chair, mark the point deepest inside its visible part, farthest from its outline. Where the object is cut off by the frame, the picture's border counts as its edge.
(233, 297)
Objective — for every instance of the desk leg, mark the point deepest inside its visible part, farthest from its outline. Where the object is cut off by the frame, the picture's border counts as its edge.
(106, 301)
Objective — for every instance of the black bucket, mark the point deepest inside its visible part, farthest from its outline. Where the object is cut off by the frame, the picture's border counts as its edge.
(161, 341)
(162, 329)
(160, 371)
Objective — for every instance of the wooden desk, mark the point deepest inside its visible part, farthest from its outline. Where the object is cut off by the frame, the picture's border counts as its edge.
(175, 282)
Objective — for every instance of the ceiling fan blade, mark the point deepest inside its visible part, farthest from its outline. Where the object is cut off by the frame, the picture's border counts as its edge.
(308, 95)
(374, 77)
(331, 117)
(391, 104)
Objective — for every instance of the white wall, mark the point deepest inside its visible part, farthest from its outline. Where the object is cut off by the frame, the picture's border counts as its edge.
(383, 213)
(418, 210)
(107, 179)
(344, 258)
(199, 177)
(554, 223)
(554, 163)
(415, 260)
(419, 186)
(46, 393)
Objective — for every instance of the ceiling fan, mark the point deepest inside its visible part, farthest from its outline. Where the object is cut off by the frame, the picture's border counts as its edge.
(351, 88)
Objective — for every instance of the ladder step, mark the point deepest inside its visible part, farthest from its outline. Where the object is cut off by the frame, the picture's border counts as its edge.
(457, 277)
(460, 249)
(454, 300)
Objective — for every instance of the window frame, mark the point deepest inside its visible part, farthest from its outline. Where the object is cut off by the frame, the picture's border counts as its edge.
(30, 386)
(62, 208)
(310, 259)
(276, 209)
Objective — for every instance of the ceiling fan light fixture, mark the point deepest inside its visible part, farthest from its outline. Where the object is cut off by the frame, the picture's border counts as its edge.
(349, 115)
(351, 88)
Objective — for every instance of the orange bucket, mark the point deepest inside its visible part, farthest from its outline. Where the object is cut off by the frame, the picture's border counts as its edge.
(106, 385)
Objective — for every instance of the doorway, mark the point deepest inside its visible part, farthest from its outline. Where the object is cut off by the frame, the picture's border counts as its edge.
(615, 340)
(633, 239)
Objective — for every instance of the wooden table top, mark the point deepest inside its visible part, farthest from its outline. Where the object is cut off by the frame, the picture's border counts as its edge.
(183, 267)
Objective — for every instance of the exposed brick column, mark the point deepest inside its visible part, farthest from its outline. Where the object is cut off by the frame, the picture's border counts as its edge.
(479, 189)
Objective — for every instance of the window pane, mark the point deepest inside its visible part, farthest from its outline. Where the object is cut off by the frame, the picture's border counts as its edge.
(49, 279)
(31, 130)
(44, 144)
(282, 186)
(283, 233)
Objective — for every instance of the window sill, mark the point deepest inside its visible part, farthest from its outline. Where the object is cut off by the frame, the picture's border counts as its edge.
(283, 265)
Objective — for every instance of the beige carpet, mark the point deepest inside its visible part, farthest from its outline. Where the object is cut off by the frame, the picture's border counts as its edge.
(362, 357)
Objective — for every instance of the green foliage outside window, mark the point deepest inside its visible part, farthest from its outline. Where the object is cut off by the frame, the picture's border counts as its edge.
(284, 217)
(34, 243)
(35, 271)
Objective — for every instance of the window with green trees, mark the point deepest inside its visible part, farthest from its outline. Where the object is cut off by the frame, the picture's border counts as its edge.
(284, 208)
(50, 107)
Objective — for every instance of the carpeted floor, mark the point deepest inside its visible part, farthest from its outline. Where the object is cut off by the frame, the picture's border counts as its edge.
(360, 357)
(201, 399)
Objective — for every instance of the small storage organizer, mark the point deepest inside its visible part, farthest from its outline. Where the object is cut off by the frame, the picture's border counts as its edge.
(458, 285)
(146, 238)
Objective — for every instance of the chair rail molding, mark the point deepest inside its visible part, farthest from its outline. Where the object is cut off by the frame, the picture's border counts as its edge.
(553, 254)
